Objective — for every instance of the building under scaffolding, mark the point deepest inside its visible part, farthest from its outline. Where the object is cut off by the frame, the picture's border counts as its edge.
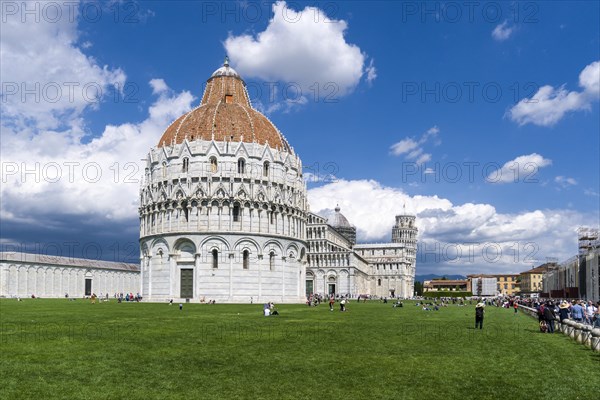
(579, 276)
(587, 239)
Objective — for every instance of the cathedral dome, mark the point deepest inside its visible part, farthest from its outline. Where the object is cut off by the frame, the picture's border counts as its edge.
(225, 114)
(338, 220)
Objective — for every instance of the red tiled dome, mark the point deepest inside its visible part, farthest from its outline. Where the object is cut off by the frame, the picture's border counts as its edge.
(224, 114)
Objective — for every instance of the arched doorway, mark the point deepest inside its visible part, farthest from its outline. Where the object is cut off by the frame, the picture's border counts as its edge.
(331, 285)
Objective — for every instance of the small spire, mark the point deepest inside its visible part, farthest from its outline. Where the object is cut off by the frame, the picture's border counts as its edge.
(226, 63)
(337, 208)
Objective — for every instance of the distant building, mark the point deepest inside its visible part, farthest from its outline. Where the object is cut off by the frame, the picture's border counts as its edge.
(24, 275)
(339, 266)
(589, 274)
(531, 280)
(507, 284)
(482, 285)
(578, 276)
(451, 285)
(562, 281)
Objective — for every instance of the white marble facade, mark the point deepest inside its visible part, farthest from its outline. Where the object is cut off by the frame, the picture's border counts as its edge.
(24, 275)
(338, 266)
(224, 216)
(223, 205)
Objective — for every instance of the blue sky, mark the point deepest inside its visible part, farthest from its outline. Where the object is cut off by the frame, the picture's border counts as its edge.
(484, 121)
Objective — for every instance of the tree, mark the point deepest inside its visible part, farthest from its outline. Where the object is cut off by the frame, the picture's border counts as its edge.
(419, 288)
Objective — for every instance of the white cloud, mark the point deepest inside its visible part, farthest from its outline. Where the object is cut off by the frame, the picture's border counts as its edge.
(488, 241)
(591, 192)
(549, 105)
(589, 79)
(404, 146)
(46, 76)
(502, 32)
(371, 72)
(413, 148)
(522, 169)
(565, 181)
(158, 86)
(96, 179)
(304, 48)
(49, 159)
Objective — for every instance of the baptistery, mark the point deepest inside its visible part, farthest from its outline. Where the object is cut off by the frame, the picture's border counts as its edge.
(223, 205)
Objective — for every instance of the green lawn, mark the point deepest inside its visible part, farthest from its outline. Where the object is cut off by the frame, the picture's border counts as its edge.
(76, 350)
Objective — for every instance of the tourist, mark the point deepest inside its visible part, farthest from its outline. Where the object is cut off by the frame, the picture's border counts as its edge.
(540, 312)
(479, 311)
(597, 316)
(590, 311)
(563, 311)
(343, 305)
(549, 316)
(577, 312)
(516, 307)
(331, 303)
(180, 306)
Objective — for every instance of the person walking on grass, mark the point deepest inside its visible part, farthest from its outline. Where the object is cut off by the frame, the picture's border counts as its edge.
(331, 303)
(479, 311)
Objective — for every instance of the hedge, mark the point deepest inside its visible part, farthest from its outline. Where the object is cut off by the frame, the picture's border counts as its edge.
(447, 293)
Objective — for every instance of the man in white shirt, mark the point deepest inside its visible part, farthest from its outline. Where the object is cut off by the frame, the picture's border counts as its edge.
(590, 310)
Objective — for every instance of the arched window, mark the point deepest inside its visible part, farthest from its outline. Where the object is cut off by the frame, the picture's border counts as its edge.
(246, 259)
(241, 166)
(164, 169)
(236, 212)
(378, 282)
(266, 166)
(272, 261)
(213, 164)
(186, 165)
(215, 258)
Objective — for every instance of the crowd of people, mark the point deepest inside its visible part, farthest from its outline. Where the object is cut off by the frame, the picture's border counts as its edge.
(577, 310)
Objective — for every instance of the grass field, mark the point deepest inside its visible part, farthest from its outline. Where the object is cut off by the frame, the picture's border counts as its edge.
(76, 350)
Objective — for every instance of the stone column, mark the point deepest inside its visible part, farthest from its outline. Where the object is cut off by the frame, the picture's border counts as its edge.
(260, 259)
(143, 266)
(197, 259)
(231, 255)
(283, 263)
(172, 274)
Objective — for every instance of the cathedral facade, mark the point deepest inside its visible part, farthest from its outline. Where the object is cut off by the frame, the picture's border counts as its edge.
(224, 215)
(339, 266)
